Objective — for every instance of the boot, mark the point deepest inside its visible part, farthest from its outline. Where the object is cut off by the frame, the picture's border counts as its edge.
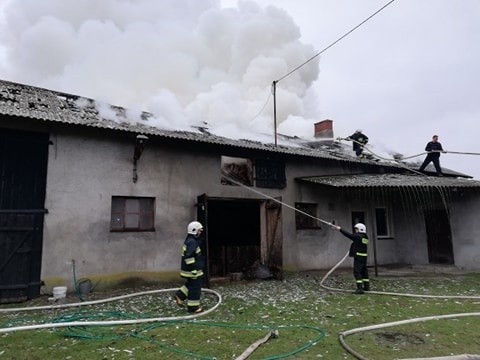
(359, 289)
(366, 286)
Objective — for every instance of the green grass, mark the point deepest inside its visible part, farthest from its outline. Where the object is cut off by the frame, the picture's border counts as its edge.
(307, 317)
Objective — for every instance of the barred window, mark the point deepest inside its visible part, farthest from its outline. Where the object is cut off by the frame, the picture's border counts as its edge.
(270, 174)
(303, 221)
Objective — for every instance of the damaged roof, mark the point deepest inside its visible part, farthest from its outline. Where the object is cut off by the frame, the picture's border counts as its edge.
(19, 100)
(51, 106)
(390, 180)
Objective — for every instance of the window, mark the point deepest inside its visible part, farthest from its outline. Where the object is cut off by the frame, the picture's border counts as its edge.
(132, 214)
(303, 221)
(270, 174)
(239, 170)
(382, 223)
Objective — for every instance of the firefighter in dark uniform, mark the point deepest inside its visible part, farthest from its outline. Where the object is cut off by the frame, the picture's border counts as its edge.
(359, 141)
(358, 250)
(192, 265)
(433, 148)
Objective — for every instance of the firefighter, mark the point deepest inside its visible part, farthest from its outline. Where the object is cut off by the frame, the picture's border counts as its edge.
(359, 141)
(358, 250)
(191, 269)
(433, 148)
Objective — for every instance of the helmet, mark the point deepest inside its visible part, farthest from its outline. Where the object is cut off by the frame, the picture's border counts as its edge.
(194, 227)
(360, 228)
(358, 130)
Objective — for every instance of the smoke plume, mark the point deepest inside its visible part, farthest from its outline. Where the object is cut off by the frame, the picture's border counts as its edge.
(189, 62)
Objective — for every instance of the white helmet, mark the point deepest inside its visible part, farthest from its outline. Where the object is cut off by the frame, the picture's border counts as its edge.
(358, 130)
(360, 228)
(194, 227)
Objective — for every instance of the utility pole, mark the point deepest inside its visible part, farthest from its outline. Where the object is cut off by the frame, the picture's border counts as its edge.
(274, 92)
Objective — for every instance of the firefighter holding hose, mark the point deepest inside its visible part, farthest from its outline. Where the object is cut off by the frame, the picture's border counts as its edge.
(358, 250)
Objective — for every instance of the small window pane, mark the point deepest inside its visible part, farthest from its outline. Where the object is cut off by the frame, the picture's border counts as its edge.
(131, 221)
(116, 222)
(132, 206)
(146, 221)
(118, 204)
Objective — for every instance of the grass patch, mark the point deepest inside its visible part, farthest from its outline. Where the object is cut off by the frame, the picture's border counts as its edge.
(307, 318)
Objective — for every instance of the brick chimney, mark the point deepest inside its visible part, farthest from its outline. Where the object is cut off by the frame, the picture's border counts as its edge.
(324, 129)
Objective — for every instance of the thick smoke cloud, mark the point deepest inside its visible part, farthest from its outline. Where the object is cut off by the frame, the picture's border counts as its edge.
(189, 62)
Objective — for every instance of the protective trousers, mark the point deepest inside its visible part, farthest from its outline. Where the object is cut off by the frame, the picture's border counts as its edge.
(191, 292)
(360, 272)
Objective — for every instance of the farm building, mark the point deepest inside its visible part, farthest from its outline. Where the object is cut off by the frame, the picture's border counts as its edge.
(111, 197)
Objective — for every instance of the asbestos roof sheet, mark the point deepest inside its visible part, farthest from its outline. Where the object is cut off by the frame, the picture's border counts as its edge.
(19, 100)
(390, 180)
(50, 106)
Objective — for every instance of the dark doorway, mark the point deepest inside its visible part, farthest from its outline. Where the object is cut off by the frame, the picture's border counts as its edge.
(439, 237)
(23, 171)
(233, 236)
(241, 234)
(357, 217)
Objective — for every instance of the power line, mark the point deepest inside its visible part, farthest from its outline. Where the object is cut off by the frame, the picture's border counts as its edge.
(336, 41)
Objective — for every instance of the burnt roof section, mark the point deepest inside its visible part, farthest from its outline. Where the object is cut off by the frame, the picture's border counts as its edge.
(51, 106)
(389, 180)
(41, 104)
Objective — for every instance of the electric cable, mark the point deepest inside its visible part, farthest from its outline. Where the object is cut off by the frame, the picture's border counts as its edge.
(335, 42)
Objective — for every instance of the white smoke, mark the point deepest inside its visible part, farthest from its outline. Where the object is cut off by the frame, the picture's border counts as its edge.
(189, 62)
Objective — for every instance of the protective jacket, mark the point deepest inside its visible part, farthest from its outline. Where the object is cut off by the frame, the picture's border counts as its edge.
(192, 258)
(359, 244)
(358, 137)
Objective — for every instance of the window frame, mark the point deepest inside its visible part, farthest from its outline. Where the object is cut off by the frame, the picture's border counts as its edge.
(314, 223)
(126, 216)
(387, 222)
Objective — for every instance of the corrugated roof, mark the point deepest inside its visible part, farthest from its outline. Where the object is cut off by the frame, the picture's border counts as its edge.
(390, 180)
(52, 106)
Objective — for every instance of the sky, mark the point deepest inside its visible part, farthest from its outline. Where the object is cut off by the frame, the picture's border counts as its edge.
(408, 73)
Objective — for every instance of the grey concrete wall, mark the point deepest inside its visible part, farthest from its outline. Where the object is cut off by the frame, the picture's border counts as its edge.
(465, 220)
(85, 171)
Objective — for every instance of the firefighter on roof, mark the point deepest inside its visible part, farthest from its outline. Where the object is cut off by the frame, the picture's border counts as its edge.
(359, 141)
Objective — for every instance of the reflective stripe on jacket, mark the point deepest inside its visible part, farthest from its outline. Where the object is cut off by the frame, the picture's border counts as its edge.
(192, 258)
(359, 243)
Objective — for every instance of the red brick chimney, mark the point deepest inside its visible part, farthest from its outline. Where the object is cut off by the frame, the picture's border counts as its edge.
(324, 129)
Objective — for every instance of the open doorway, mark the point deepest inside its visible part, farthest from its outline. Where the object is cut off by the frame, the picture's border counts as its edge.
(439, 237)
(233, 236)
(240, 235)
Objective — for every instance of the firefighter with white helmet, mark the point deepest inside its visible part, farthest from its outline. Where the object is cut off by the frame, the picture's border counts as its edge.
(192, 265)
(358, 250)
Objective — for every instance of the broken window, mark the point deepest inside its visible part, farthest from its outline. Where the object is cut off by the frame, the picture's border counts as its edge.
(303, 221)
(382, 223)
(270, 174)
(236, 171)
(132, 214)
